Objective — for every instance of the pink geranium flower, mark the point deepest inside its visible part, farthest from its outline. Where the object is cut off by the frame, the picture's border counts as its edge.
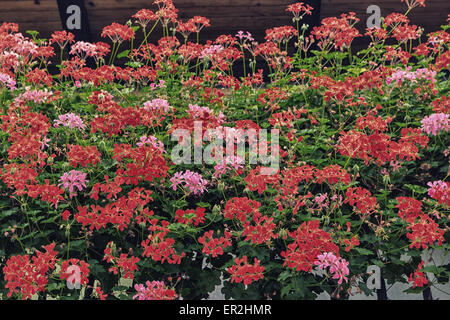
(73, 179)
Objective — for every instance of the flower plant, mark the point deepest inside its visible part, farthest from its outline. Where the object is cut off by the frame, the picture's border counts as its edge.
(91, 196)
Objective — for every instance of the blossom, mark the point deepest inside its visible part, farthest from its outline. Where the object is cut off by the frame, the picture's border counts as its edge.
(198, 112)
(190, 181)
(340, 270)
(153, 141)
(37, 96)
(70, 120)
(118, 32)
(144, 16)
(435, 123)
(338, 267)
(228, 164)
(83, 156)
(439, 190)
(28, 276)
(214, 246)
(299, 9)
(126, 265)
(425, 232)
(418, 278)
(155, 290)
(194, 217)
(73, 179)
(199, 22)
(244, 36)
(158, 246)
(241, 208)
(210, 51)
(414, 3)
(399, 76)
(62, 38)
(69, 268)
(309, 242)
(242, 271)
(86, 49)
(8, 81)
(157, 104)
(409, 208)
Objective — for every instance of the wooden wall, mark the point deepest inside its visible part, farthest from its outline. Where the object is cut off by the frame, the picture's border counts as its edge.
(227, 16)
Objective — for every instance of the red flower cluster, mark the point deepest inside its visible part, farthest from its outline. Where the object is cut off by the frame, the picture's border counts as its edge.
(144, 16)
(214, 246)
(118, 32)
(119, 213)
(362, 199)
(126, 265)
(379, 147)
(425, 232)
(194, 217)
(336, 32)
(83, 156)
(29, 277)
(299, 7)
(70, 267)
(241, 208)
(158, 246)
(257, 181)
(408, 208)
(48, 192)
(262, 231)
(333, 173)
(309, 242)
(244, 272)
(418, 278)
(280, 34)
(147, 163)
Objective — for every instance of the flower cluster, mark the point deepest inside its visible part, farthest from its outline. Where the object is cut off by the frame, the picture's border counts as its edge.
(155, 290)
(73, 179)
(70, 120)
(244, 272)
(436, 123)
(338, 267)
(192, 182)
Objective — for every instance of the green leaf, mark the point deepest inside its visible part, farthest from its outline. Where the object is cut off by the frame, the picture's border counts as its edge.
(416, 188)
(363, 251)
(123, 54)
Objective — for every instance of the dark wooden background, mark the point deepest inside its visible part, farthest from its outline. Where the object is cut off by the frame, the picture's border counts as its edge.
(227, 16)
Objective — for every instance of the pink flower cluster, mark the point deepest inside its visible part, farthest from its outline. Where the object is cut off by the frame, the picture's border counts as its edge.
(244, 36)
(157, 104)
(73, 179)
(152, 141)
(191, 181)
(228, 164)
(197, 112)
(37, 96)
(211, 51)
(320, 200)
(439, 190)
(85, 49)
(401, 75)
(155, 290)
(8, 81)
(70, 120)
(338, 267)
(436, 123)
(161, 84)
